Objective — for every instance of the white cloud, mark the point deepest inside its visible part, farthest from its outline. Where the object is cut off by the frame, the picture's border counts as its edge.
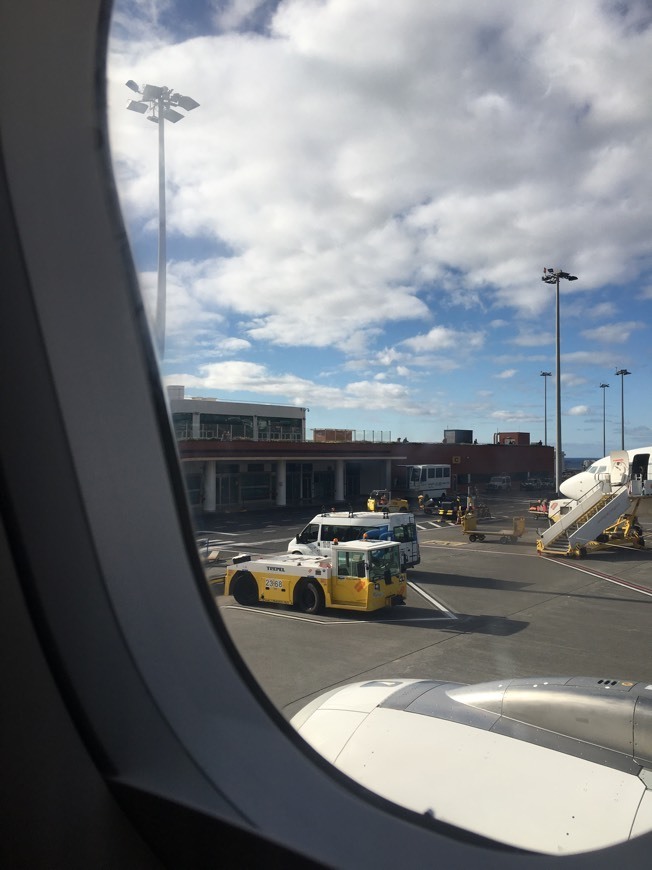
(233, 345)
(344, 162)
(579, 411)
(532, 339)
(236, 376)
(441, 338)
(612, 333)
(381, 185)
(514, 416)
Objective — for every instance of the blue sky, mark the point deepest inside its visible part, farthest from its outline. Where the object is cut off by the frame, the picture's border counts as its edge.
(361, 208)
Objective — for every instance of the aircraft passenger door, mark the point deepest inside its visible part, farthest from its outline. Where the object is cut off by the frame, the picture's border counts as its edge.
(639, 466)
(639, 474)
(619, 467)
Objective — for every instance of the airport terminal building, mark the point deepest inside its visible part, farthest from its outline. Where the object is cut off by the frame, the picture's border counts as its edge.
(241, 455)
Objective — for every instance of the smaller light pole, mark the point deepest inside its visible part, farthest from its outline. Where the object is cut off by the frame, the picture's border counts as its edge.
(545, 376)
(622, 373)
(603, 387)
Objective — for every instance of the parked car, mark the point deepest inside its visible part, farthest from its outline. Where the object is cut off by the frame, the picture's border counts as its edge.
(499, 483)
(533, 484)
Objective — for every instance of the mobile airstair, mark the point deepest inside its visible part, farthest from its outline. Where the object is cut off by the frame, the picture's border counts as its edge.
(600, 509)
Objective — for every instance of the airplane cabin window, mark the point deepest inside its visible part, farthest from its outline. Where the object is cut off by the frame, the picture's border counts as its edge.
(262, 255)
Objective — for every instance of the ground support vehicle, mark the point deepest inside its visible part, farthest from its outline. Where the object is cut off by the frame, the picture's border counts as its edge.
(499, 483)
(429, 481)
(450, 507)
(539, 507)
(430, 505)
(208, 547)
(453, 508)
(605, 516)
(317, 538)
(626, 531)
(381, 500)
(359, 575)
(505, 536)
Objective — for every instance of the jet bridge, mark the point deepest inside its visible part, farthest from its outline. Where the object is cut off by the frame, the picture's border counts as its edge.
(604, 514)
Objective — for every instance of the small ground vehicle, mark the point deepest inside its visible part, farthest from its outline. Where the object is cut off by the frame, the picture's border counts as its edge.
(316, 539)
(499, 483)
(451, 508)
(533, 484)
(505, 536)
(430, 505)
(381, 500)
(539, 507)
(358, 575)
(208, 546)
(435, 505)
(430, 481)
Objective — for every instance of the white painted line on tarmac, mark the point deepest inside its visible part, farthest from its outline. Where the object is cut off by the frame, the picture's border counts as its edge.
(278, 615)
(335, 621)
(617, 581)
(431, 600)
(243, 544)
(216, 533)
(429, 526)
(214, 542)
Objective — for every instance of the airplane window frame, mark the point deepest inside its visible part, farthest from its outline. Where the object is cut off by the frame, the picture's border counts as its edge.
(97, 511)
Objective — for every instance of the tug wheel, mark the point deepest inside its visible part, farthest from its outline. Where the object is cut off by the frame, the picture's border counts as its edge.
(245, 589)
(309, 597)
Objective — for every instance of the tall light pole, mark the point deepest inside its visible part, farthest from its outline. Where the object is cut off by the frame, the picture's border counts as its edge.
(545, 376)
(603, 387)
(552, 276)
(158, 102)
(622, 373)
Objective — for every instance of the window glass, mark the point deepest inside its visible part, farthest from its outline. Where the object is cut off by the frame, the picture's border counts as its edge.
(310, 534)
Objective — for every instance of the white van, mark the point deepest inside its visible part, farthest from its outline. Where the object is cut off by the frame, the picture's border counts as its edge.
(500, 483)
(316, 538)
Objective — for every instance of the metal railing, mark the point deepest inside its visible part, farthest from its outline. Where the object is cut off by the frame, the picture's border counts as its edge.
(229, 433)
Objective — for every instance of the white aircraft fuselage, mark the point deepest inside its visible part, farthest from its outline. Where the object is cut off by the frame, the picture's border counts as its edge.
(617, 468)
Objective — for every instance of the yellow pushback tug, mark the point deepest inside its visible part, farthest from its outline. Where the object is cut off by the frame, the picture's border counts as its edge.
(358, 575)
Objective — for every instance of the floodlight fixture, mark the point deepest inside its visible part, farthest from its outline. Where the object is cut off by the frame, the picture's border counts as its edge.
(152, 92)
(186, 103)
(171, 115)
(132, 84)
(553, 276)
(137, 106)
